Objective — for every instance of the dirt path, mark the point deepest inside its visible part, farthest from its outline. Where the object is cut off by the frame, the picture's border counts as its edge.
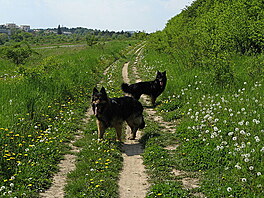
(133, 179)
(59, 180)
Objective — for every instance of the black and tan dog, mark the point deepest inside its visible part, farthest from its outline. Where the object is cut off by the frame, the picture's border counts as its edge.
(151, 88)
(112, 112)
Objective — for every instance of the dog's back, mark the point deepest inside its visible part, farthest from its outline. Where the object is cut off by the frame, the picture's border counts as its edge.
(137, 89)
(112, 112)
(124, 107)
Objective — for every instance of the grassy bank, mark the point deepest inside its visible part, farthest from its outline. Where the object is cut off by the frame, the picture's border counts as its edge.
(219, 130)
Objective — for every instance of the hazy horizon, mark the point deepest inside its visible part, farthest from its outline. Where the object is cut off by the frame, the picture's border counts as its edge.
(112, 15)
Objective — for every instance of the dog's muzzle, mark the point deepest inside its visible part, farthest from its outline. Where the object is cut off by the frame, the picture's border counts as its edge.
(98, 108)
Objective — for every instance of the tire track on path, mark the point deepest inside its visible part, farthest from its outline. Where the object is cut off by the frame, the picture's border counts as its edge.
(67, 164)
(133, 178)
(188, 182)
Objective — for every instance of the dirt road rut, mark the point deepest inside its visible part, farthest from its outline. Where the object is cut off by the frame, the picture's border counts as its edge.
(133, 179)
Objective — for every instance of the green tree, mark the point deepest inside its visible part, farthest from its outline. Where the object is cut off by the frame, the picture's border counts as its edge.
(140, 35)
(91, 40)
(17, 53)
(59, 30)
(3, 38)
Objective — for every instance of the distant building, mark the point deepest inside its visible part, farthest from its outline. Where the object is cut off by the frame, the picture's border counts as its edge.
(66, 33)
(11, 26)
(25, 27)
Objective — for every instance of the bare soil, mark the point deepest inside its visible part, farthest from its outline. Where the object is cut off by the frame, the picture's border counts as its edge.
(133, 180)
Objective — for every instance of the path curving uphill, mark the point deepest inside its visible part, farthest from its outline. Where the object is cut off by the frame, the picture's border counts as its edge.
(133, 178)
(187, 181)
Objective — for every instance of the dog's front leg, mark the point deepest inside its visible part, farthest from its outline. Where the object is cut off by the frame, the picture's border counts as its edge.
(153, 100)
(101, 129)
(118, 129)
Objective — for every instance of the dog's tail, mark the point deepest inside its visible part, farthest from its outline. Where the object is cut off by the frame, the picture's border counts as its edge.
(125, 88)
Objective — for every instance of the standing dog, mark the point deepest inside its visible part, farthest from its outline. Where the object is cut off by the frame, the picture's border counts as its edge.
(112, 112)
(152, 88)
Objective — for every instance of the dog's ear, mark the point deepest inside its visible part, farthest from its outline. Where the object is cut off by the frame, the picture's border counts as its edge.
(103, 91)
(95, 91)
(164, 73)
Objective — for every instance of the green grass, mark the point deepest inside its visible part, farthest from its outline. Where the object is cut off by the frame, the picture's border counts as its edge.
(98, 165)
(42, 108)
(219, 124)
(160, 163)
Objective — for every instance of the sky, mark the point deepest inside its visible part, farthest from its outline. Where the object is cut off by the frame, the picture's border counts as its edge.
(112, 15)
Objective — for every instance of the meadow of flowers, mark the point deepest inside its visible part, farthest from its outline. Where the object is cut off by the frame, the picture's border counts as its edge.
(223, 133)
(29, 158)
(98, 165)
(219, 129)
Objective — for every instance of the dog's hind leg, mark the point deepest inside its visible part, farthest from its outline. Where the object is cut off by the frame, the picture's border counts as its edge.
(131, 124)
(135, 123)
(141, 123)
(133, 133)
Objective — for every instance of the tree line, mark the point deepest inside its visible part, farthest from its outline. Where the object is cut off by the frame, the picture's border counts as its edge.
(66, 35)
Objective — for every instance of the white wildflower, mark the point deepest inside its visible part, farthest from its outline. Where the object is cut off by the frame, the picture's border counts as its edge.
(242, 132)
(229, 189)
(237, 166)
(230, 133)
(243, 179)
(241, 122)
